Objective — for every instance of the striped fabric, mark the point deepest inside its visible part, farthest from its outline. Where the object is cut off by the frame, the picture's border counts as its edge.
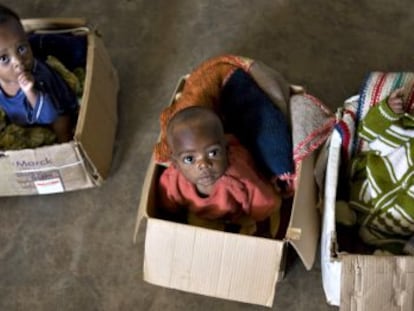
(377, 159)
(376, 87)
(382, 175)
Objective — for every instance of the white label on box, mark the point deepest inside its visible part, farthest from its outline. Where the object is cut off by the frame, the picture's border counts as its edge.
(46, 186)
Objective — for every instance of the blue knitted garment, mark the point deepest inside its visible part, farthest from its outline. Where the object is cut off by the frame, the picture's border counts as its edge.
(261, 127)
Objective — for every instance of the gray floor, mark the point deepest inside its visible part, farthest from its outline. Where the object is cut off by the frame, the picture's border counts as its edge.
(74, 251)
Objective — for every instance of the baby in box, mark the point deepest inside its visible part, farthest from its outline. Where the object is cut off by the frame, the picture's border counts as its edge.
(31, 93)
(382, 176)
(227, 85)
(213, 177)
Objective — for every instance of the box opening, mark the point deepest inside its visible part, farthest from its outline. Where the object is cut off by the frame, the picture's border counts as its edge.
(154, 210)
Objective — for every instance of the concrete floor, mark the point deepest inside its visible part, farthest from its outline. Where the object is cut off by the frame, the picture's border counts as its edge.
(74, 251)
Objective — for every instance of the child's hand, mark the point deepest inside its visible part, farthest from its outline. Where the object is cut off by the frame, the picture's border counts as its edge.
(395, 101)
(26, 81)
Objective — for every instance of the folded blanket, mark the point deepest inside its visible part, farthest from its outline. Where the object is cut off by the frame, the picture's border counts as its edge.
(250, 115)
(382, 187)
(377, 162)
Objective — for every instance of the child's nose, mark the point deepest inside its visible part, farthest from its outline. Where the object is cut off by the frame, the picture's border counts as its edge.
(17, 63)
(203, 163)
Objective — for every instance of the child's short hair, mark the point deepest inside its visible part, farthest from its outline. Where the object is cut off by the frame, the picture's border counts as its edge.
(200, 113)
(194, 112)
(7, 14)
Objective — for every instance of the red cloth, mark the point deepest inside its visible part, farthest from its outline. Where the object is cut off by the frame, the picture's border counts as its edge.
(240, 191)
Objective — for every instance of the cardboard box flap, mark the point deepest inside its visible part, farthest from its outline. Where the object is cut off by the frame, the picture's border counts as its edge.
(377, 283)
(52, 23)
(303, 230)
(151, 176)
(213, 263)
(330, 264)
(97, 121)
(147, 195)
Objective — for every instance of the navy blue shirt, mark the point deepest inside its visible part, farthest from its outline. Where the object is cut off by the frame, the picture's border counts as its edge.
(54, 98)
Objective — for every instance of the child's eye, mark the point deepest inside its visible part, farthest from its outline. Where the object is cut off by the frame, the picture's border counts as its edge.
(188, 159)
(4, 59)
(22, 49)
(214, 153)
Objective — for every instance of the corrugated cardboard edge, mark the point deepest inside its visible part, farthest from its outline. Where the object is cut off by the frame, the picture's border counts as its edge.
(304, 226)
(52, 23)
(97, 121)
(330, 265)
(145, 196)
(377, 283)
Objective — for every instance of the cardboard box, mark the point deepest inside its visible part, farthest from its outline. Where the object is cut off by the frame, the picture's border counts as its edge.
(360, 282)
(85, 161)
(221, 264)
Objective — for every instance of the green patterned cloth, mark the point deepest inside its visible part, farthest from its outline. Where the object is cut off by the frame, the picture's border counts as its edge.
(382, 178)
(14, 137)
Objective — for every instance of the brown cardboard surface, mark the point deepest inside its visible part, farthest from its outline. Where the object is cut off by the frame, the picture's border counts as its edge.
(52, 23)
(303, 230)
(26, 171)
(147, 200)
(377, 283)
(212, 263)
(97, 120)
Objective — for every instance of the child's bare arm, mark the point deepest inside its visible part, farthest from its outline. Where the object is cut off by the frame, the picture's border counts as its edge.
(26, 82)
(395, 101)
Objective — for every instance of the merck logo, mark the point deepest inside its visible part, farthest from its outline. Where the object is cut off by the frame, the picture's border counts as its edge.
(33, 164)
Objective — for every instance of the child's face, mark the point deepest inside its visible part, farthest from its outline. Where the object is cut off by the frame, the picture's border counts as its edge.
(15, 53)
(200, 155)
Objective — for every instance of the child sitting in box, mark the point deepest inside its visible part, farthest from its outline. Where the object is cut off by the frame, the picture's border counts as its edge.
(226, 85)
(212, 177)
(31, 93)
